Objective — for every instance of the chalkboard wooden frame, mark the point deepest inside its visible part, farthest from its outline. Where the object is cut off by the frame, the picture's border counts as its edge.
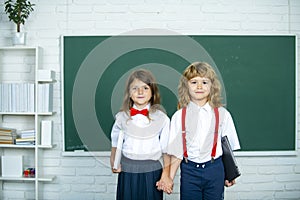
(211, 47)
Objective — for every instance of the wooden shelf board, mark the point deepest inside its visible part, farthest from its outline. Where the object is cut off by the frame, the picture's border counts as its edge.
(43, 179)
(4, 178)
(17, 146)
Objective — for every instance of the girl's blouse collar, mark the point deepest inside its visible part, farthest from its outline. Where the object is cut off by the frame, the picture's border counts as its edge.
(146, 107)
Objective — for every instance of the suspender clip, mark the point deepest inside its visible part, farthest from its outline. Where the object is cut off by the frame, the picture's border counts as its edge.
(212, 159)
(185, 159)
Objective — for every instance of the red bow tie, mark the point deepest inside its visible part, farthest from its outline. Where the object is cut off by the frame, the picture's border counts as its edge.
(135, 111)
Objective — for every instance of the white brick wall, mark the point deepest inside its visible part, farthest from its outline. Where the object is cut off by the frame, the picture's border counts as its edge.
(270, 177)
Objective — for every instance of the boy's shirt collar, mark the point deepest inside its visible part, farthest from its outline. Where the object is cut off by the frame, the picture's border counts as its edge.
(206, 106)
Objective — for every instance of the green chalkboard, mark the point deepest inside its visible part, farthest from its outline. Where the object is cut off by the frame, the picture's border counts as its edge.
(258, 74)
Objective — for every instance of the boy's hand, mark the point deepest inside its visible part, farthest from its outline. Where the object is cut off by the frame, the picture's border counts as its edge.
(229, 183)
(165, 184)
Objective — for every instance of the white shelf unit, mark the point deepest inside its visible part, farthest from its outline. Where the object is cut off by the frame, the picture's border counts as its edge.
(20, 65)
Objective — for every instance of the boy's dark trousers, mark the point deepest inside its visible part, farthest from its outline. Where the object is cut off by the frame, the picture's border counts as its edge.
(202, 181)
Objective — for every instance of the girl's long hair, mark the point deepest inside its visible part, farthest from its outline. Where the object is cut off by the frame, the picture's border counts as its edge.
(148, 78)
(201, 69)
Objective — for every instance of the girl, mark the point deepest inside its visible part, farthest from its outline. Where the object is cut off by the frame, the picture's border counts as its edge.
(140, 132)
(202, 173)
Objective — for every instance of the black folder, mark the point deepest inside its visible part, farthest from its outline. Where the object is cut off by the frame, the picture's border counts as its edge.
(230, 165)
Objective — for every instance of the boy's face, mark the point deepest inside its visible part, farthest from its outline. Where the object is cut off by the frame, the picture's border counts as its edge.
(140, 93)
(199, 89)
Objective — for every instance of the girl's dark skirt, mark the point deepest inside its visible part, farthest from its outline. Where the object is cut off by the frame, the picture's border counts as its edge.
(138, 178)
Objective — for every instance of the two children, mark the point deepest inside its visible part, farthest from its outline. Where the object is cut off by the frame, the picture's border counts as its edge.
(202, 171)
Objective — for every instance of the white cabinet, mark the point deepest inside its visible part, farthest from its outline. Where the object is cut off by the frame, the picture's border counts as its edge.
(19, 109)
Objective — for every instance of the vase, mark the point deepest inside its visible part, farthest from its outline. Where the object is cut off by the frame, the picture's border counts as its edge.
(19, 38)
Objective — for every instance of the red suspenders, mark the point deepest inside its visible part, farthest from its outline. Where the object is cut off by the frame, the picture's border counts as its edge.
(185, 155)
(214, 149)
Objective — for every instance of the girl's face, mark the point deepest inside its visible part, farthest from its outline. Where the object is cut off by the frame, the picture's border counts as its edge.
(140, 93)
(199, 89)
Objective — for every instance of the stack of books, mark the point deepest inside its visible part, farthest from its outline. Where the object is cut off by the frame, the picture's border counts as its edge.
(26, 137)
(7, 135)
(16, 97)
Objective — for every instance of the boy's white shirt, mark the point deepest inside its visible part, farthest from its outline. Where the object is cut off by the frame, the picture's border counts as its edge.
(143, 139)
(200, 122)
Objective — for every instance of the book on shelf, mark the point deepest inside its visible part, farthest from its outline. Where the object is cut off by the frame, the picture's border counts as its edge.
(17, 97)
(7, 142)
(25, 141)
(12, 166)
(26, 137)
(4, 133)
(7, 135)
(26, 133)
(45, 97)
(46, 74)
(7, 130)
(46, 132)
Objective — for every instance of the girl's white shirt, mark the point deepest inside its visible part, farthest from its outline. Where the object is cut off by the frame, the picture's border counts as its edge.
(144, 139)
(200, 125)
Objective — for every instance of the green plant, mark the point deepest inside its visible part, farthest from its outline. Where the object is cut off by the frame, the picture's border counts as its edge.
(18, 11)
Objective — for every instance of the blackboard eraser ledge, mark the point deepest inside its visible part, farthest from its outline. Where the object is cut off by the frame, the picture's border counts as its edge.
(82, 153)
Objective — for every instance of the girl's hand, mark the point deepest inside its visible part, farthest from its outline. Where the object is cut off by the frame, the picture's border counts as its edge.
(165, 184)
(229, 183)
(112, 159)
(116, 170)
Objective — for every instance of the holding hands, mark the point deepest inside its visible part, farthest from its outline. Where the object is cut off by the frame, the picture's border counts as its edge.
(166, 181)
(165, 184)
